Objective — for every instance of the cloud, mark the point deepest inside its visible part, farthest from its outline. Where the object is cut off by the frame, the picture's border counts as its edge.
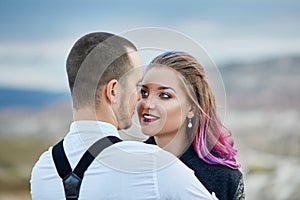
(39, 65)
(225, 42)
(36, 36)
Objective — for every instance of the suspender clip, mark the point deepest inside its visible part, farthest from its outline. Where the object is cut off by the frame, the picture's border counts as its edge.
(72, 186)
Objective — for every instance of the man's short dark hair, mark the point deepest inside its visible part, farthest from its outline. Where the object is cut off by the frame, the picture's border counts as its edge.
(94, 60)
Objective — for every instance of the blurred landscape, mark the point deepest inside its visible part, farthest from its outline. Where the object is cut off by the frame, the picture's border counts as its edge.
(262, 113)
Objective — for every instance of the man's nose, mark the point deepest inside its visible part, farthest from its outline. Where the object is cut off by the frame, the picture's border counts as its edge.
(138, 96)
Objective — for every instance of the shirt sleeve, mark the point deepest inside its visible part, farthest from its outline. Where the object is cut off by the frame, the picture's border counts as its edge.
(240, 192)
(184, 185)
(45, 183)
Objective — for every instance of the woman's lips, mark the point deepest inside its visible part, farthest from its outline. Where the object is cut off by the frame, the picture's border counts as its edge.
(149, 118)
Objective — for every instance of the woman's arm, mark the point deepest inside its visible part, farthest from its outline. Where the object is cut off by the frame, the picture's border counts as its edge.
(240, 192)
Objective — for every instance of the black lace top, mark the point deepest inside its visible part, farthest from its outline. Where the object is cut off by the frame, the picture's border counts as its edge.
(225, 182)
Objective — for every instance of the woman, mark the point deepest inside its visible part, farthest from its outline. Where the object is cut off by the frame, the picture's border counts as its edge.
(178, 111)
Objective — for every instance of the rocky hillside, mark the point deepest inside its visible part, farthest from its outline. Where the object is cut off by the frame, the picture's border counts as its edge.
(272, 84)
(263, 114)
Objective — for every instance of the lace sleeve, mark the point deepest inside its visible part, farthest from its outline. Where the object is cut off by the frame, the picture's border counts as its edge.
(240, 193)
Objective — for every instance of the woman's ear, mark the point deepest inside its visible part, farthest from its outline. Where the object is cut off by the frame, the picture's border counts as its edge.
(191, 112)
(111, 91)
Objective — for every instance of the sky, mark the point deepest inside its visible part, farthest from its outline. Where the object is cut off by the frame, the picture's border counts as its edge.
(36, 36)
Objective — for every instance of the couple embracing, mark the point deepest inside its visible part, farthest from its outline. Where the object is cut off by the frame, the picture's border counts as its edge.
(189, 153)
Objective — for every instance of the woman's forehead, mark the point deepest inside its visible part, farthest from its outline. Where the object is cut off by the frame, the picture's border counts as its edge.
(163, 77)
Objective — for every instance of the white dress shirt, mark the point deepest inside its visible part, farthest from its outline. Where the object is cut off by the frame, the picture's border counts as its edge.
(126, 170)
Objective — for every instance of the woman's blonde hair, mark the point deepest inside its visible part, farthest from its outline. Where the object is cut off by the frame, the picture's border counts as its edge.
(211, 140)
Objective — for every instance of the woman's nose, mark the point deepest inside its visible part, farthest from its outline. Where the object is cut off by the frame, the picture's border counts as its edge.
(149, 103)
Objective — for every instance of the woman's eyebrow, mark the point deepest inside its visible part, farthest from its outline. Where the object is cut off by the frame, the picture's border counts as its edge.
(160, 87)
(166, 88)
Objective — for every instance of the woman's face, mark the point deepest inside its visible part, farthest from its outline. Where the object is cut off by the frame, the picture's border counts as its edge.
(163, 107)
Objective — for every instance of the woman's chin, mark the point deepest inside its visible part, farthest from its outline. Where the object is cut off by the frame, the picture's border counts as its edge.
(149, 131)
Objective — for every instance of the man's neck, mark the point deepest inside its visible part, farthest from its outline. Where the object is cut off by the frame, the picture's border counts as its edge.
(87, 113)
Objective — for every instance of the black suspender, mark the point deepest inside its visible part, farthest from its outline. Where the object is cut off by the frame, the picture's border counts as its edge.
(72, 179)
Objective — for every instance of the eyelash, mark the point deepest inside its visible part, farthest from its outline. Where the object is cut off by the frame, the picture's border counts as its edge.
(142, 92)
(163, 95)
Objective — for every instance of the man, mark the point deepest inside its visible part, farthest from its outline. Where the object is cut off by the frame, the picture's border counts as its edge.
(103, 72)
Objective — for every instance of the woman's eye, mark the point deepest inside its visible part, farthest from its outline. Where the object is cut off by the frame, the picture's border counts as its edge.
(143, 93)
(165, 95)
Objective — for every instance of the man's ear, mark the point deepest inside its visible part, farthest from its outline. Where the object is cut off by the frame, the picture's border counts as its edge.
(111, 91)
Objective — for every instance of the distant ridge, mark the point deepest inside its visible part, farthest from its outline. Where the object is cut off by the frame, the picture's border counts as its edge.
(271, 84)
(32, 99)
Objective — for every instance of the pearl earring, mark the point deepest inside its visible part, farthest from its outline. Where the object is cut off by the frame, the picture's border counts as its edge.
(190, 125)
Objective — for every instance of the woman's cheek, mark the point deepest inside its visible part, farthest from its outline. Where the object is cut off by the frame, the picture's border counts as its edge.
(173, 117)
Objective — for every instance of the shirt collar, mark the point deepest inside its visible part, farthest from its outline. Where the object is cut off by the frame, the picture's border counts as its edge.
(188, 154)
(93, 127)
